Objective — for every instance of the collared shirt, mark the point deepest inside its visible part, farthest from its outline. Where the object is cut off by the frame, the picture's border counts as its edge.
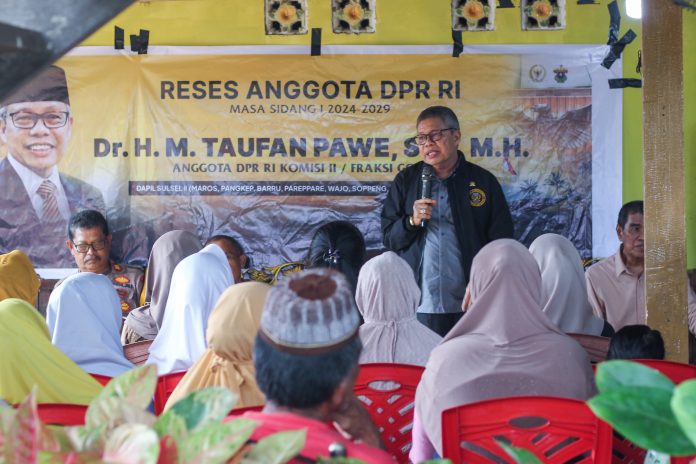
(128, 282)
(442, 277)
(32, 181)
(618, 296)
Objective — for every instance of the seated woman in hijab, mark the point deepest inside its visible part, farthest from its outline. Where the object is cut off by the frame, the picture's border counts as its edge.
(338, 245)
(387, 297)
(504, 345)
(29, 359)
(84, 319)
(144, 322)
(18, 278)
(563, 287)
(197, 283)
(228, 362)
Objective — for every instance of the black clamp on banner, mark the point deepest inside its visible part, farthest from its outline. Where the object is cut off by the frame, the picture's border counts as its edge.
(316, 41)
(457, 44)
(617, 45)
(505, 4)
(626, 82)
(118, 38)
(140, 42)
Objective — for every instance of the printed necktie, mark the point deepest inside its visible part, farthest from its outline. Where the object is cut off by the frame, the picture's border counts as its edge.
(47, 192)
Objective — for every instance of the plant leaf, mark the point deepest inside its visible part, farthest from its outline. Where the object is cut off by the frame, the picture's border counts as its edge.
(520, 455)
(684, 408)
(215, 443)
(341, 460)
(171, 424)
(114, 412)
(83, 438)
(168, 451)
(132, 444)
(277, 448)
(202, 407)
(123, 398)
(644, 416)
(618, 374)
(24, 431)
(69, 457)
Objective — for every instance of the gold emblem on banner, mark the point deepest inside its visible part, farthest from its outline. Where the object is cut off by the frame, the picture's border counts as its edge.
(477, 197)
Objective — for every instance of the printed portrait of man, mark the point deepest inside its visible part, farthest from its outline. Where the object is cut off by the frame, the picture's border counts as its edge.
(36, 200)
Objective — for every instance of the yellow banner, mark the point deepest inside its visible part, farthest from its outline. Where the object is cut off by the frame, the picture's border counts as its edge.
(269, 147)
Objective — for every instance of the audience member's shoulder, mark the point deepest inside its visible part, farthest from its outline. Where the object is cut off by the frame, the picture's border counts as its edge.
(600, 268)
(60, 282)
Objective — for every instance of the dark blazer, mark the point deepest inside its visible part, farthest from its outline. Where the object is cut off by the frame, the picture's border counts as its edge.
(21, 228)
(479, 210)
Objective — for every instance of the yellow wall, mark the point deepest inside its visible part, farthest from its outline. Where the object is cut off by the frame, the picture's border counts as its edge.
(240, 22)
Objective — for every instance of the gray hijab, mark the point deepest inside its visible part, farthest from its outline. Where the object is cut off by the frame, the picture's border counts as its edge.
(166, 253)
(563, 288)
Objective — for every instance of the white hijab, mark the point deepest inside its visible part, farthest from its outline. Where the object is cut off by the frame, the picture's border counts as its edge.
(197, 283)
(387, 296)
(84, 319)
(563, 288)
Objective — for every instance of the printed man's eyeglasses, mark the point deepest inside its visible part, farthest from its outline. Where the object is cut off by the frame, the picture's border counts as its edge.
(52, 120)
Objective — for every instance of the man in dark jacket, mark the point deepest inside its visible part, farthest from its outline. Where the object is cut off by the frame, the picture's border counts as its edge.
(465, 211)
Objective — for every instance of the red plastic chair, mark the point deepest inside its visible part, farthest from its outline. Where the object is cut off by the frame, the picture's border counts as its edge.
(391, 409)
(624, 451)
(675, 371)
(556, 430)
(102, 379)
(165, 387)
(62, 414)
(240, 411)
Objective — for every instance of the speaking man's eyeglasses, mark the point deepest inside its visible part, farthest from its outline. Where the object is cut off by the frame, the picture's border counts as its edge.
(84, 247)
(52, 120)
(434, 136)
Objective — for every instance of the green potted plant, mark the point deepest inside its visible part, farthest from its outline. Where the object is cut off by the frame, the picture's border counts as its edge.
(118, 428)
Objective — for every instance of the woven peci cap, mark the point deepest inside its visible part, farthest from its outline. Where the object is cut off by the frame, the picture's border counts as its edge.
(49, 85)
(310, 312)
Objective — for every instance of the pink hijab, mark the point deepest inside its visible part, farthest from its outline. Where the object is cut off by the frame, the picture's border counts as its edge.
(387, 296)
(503, 346)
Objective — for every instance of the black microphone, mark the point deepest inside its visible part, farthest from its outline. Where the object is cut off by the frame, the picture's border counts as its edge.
(427, 177)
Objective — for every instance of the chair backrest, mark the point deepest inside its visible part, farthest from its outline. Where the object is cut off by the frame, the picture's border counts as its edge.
(675, 371)
(597, 347)
(388, 392)
(102, 379)
(137, 352)
(556, 430)
(624, 451)
(240, 411)
(62, 414)
(165, 386)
